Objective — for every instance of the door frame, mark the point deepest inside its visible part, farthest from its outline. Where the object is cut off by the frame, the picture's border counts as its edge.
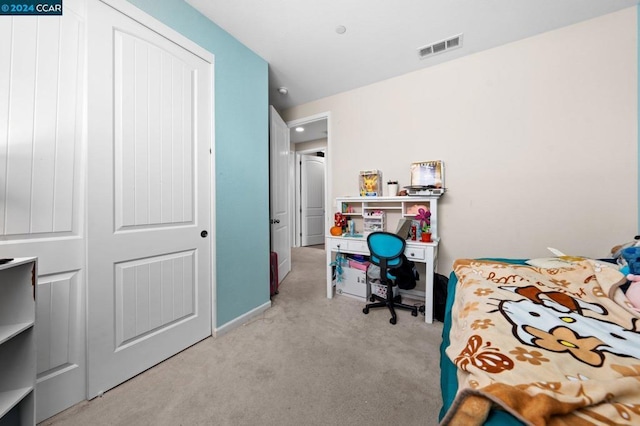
(328, 206)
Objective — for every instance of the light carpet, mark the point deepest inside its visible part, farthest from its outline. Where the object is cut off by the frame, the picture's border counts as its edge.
(307, 360)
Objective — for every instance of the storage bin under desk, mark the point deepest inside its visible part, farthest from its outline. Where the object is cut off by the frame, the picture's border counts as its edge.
(353, 282)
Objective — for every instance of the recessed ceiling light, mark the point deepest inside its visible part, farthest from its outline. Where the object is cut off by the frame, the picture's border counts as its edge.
(299, 129)
(341, 29)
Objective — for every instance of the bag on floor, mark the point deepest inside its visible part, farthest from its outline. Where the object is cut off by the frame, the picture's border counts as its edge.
(440, 284)
(273, 260)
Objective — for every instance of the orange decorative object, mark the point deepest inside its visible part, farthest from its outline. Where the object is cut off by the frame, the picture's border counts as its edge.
(336, 231)
(426, 237)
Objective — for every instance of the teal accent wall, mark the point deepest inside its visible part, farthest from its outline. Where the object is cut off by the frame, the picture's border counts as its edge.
(241, 158)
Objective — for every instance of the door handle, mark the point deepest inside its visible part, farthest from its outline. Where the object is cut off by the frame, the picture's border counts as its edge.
(274, 221)
(204, 234)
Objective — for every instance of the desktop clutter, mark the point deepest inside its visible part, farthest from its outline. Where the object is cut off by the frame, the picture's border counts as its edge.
(419, 230)
(427, 179)
(343, 226)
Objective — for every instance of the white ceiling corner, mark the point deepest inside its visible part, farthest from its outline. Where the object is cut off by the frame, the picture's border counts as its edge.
(305, 53)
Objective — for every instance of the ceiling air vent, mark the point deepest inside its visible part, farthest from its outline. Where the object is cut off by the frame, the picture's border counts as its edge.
(440, 46)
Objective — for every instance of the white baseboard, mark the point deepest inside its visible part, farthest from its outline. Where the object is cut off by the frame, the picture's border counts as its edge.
(242, 319)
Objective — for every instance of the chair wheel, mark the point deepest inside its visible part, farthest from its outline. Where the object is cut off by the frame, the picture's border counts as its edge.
(365, 311)
(392, 320)
(372, 299)
(414, 313)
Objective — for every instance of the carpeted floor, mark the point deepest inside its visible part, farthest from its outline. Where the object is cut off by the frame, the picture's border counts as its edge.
(308, 360)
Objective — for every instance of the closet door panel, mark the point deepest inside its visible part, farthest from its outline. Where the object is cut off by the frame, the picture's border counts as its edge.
(41, 194)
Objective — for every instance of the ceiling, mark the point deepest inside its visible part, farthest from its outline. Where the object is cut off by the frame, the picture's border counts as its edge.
(313, 130)
(307, 56)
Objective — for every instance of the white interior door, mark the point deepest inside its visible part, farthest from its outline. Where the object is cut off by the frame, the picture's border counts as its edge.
(312, 199)
(279, 187)
(149, 164)
(41, 196)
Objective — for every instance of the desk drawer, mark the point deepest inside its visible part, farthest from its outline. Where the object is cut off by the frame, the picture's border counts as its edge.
(335, 244)
(415, 253)
(348, 246)
(359, 246)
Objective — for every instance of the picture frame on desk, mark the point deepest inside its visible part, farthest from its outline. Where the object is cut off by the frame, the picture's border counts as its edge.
(428, 174)
(370, 183)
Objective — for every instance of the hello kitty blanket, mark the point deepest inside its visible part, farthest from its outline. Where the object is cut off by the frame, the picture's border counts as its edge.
(554, 346)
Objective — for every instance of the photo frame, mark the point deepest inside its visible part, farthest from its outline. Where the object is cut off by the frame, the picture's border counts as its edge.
(428, 174)
(370, 183)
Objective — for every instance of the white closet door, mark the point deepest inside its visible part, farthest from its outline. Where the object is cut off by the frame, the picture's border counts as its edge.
(41, 197)
(149, 199)
(279, 192)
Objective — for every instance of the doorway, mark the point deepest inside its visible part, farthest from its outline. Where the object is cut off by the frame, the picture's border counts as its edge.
(310, 202)
(310, 171)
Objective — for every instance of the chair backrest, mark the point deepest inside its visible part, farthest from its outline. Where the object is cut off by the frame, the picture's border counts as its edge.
(385, 249)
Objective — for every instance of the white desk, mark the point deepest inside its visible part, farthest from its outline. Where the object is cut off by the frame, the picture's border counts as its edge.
(416, 251)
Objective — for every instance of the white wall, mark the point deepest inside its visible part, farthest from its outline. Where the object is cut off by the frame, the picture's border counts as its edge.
(539, 138)
(317, 144)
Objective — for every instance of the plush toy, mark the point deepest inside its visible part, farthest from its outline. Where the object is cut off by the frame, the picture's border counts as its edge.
(633, 292)
(628, 258)
(339, 220)
(616, 251)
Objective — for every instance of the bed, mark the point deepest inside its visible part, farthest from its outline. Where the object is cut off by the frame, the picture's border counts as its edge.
(538, 345)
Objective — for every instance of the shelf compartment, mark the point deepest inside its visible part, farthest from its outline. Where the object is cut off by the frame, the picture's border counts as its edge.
(382, 207)
(11, 398)
(17, 342)
(356, 208)
(9, 331)
(16, 289)
(414, 206)
(18, 361)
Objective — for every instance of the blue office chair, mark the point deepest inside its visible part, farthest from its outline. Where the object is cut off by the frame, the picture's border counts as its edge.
(385, 249)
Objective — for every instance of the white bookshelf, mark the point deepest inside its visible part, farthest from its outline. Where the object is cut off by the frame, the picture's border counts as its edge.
(17, 342)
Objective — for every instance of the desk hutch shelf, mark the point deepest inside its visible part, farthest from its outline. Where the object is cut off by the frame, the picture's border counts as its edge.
(366, 207)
